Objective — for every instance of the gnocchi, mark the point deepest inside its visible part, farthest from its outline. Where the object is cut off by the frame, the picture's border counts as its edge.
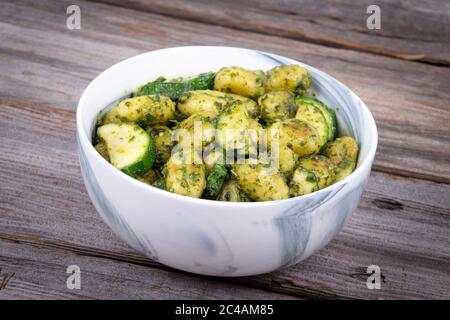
(277, 105)
(236, 135)
(293, 78)
(240, 81)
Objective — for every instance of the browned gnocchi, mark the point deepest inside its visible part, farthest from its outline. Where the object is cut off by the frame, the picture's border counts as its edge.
(240, 81)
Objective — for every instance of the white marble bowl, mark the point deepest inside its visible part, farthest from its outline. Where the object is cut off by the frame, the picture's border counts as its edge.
(211, 237)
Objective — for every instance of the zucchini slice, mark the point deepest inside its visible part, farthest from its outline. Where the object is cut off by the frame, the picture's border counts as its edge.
(328, 113)
(174, 89)
(215, 181)
(130, 148)
(313, 116)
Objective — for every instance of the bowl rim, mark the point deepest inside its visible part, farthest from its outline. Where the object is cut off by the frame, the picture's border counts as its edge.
(83, 140)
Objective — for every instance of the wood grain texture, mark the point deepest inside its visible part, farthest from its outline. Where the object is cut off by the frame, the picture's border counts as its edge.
(401, 225)
(411, 30)
(45, 63)
(34, 271)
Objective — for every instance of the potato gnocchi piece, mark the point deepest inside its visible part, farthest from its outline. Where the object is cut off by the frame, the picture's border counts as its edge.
(231, 192)
(287, 160)
(343, 153)
(183, 176)
(312, 174)
(261, 182)
(197, 124)
(212, 102)
(240, 81)
(322, 168)
(237, 130)
(295, 134)
(291, 77)
(143, 110)
(277, 105)
(201, 101)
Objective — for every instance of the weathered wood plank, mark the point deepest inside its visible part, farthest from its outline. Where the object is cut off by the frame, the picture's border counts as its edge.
(411, 30)
(43, 62)
(33, 271)
(402, 225)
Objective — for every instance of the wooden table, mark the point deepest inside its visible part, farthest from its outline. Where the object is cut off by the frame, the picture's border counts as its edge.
(47, 221)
